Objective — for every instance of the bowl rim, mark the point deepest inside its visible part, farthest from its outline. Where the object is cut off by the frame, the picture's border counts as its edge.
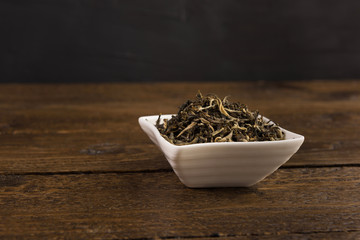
(143, 120)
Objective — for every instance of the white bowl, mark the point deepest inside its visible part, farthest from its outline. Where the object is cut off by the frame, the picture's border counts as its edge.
(227, 164)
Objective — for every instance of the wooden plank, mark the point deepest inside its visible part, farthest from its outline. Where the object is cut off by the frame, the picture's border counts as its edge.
(317, 202)
(93, 127)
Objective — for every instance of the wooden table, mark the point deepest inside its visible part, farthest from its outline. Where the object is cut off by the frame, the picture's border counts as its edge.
(75, 164)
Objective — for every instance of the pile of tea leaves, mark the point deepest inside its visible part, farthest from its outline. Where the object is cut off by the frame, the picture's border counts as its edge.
(211, 119)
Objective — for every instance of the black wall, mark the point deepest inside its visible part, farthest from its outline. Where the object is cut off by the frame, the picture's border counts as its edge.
(173, 40)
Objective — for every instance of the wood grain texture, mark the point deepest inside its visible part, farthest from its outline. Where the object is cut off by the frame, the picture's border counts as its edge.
(290, 204)
(90, 127)
(81, 41)
(74, 164)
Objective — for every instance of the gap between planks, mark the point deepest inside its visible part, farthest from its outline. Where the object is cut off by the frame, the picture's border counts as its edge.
(157, 170)
(355, 233)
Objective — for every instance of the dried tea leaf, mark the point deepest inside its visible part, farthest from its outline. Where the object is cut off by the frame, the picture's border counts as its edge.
(210, 119)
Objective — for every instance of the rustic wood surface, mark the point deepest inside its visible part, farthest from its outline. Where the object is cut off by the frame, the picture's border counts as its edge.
(75, 164)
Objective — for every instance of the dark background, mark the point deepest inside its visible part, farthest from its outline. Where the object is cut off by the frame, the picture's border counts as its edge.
(178, 40)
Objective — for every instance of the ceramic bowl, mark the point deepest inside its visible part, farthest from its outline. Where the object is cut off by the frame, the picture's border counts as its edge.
(228, 164)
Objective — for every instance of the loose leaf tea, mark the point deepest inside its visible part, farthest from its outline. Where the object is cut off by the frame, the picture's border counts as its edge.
(210, 119)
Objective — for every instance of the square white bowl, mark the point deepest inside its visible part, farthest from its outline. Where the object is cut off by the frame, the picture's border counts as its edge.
(225, 164)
